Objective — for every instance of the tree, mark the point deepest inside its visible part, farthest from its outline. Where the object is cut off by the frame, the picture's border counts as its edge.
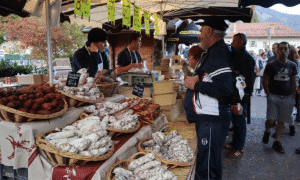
(31, 32)
(4, 20)
(255, 18)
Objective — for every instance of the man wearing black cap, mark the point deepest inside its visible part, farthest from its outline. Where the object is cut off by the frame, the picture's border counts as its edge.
(91, 55)
(207, 99)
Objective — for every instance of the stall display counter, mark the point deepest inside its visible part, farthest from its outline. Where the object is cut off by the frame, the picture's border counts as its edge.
(134, 77)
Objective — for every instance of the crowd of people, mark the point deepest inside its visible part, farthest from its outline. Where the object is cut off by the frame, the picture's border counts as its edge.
(276, 76)
(212, 85)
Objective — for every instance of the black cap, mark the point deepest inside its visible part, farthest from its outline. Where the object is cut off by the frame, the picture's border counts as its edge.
(215, 22)
(96, 35)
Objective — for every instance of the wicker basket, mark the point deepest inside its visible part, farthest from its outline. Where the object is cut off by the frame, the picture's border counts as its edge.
(124, 164)
(173, 164)
(136, 128)
(74, 101)
(63, 158)
(108, 89)
(13, 115)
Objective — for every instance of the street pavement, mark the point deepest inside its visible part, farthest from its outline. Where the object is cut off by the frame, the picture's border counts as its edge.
(259, 160)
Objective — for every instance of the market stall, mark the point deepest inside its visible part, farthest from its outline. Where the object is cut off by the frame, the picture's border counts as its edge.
(23, 123)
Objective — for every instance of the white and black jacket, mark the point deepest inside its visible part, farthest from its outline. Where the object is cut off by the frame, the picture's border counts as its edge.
(211, 97)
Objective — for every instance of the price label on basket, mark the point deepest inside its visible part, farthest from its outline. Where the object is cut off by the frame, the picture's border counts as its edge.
(138, 90)
(73, 79)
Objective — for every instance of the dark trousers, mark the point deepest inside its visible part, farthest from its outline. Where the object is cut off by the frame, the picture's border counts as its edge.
(261, 84)
(239, 128)
(211, 137)
(297, 105)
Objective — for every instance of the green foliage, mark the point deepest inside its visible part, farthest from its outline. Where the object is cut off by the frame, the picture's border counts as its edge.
(11, 69)
(255, 18)
(31, 32)
(4, 20)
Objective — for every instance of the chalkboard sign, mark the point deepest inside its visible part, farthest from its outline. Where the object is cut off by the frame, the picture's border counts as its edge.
(73, 79)
(138, 90)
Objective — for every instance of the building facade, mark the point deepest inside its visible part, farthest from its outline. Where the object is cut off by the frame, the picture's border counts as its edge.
(261, 34)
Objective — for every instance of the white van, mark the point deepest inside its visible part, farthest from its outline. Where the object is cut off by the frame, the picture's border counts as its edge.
(2, 54)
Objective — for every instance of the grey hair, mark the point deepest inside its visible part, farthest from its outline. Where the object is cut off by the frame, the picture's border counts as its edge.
(218, 33)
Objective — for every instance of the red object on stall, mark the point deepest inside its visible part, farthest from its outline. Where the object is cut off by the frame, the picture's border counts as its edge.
(7, 80)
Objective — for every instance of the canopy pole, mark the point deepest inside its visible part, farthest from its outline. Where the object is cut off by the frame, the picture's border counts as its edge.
(48, 18)
(163, 45)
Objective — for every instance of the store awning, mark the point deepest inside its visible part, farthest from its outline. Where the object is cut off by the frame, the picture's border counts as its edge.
(187, 33)
(183, 9)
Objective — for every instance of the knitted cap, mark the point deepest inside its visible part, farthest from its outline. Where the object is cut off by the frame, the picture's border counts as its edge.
(96, 35)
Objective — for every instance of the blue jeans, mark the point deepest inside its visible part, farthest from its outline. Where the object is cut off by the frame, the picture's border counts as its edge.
(211, 137)
(239, 128)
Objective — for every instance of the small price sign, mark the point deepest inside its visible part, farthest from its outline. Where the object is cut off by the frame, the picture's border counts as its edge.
(73, 79)
(138, 90)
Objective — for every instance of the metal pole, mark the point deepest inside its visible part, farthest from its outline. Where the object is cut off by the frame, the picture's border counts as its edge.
(163, 45)
(269, 33)
(48, 19)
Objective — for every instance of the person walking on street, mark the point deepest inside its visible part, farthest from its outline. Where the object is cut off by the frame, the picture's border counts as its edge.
(207, 99)
(268, 51)
(274, 50)
(262, 62)
(294, 56)
(239, 120)
(280, 87)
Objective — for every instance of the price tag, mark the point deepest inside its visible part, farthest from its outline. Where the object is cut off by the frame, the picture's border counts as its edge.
(73, 79)
(138, 90)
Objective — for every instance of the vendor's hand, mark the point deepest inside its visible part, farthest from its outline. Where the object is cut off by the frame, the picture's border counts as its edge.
(137, 65)
(101, 72)
(190, 82)
(93, 48)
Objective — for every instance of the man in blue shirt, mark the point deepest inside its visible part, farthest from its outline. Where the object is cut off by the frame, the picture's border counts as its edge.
(130, 57)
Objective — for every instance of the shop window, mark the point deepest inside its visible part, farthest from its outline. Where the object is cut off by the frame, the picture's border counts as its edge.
(265, 43)
(253, 44)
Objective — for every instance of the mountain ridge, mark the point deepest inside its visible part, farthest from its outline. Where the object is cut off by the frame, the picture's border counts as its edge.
(270, 15)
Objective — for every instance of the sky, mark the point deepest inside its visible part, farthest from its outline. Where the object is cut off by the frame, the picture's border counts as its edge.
(285, 9)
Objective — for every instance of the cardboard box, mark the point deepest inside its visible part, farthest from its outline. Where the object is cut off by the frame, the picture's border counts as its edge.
(127, 91)
(165, 99)
(162, 87)
(32, 79)
(173, 111)
(45, 78)
(29, 79)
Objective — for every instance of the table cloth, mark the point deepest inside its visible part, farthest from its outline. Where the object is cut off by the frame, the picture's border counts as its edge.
(17, 140)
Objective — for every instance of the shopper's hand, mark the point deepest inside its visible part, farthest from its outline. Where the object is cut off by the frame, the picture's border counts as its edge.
(93, 48)
(190, 82)
(237, 109)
